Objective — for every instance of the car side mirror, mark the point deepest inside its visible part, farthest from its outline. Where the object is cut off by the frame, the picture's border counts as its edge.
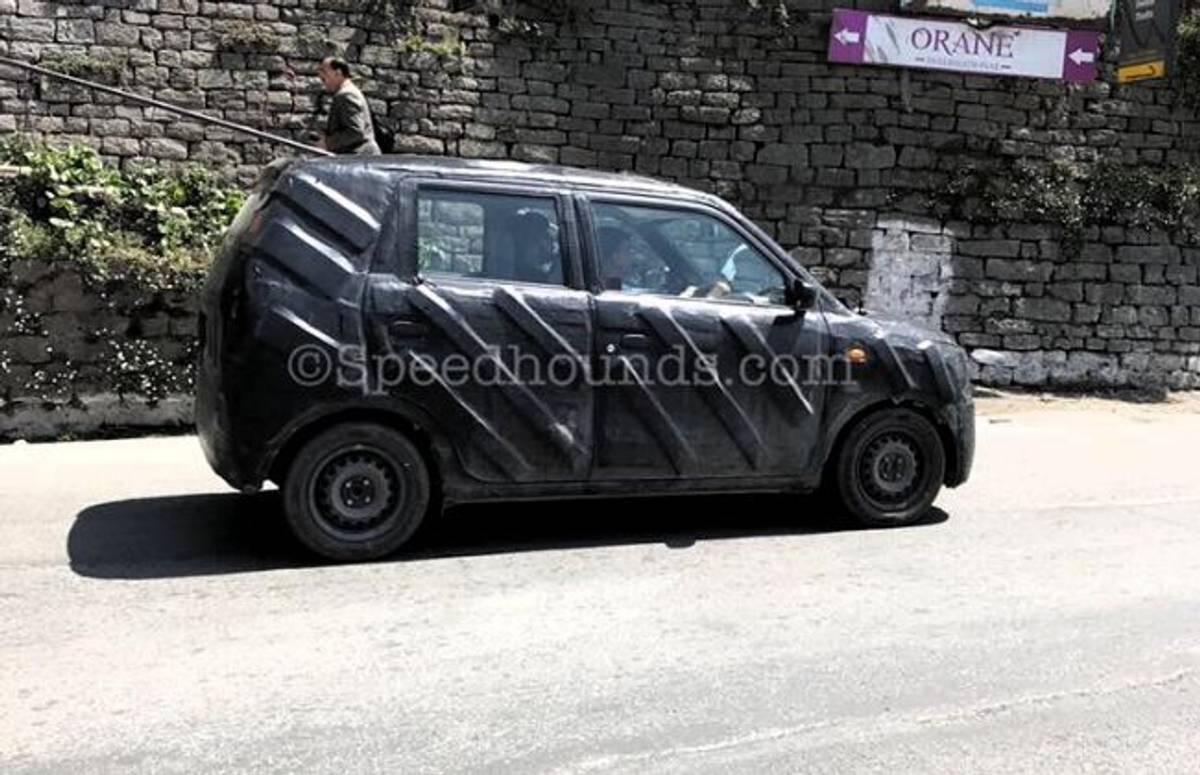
(801, 294)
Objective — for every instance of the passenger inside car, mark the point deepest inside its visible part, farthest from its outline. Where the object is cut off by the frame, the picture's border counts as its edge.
(536, 257)
(616, 257)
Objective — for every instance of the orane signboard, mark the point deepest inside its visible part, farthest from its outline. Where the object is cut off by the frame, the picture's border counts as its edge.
(860, 37)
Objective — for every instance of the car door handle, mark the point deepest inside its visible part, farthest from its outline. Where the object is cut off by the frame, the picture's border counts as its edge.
(408, 329)
(635, 342)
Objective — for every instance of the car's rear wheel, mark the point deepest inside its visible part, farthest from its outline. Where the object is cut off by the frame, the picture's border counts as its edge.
(890, 468)
(356, 492)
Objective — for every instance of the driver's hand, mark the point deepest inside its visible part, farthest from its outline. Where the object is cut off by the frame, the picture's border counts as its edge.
(719, 290)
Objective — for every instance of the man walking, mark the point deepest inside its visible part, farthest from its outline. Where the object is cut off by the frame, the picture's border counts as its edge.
(350, 129)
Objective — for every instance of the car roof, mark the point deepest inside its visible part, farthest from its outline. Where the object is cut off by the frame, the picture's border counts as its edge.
(518, 172)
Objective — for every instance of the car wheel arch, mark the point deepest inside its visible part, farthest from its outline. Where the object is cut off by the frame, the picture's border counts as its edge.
(841, 431)
(420, 430)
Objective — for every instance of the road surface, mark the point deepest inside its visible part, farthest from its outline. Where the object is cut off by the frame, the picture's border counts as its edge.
(1047, 619)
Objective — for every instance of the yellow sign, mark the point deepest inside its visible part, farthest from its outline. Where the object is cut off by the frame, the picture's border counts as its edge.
(1143, 71)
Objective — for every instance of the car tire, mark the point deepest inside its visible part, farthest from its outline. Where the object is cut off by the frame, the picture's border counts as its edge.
(889, 469)
(356, 492)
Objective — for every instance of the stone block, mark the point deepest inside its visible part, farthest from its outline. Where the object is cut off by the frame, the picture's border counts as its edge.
(1125, 273)
(990, 248)
(214, 79)
(1153, 316)
(996, 358)
(909, 223)
(932, 243)
(1081, 271)
(75, 31)
(1069, 291)
(1016, 270)
(843, 257)
(1151, 294)
(165, 148)
(864, 156)
(29, 349)
(785, 155)
(1096, 252)
(36, 30)
(1148, 254)
(826, 155)
(1046, 309)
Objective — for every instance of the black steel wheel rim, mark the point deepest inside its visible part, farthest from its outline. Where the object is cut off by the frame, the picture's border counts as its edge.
(891, 470)
(357, 494)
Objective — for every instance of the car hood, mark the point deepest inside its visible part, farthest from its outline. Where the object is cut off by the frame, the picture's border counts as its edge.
(903, 331)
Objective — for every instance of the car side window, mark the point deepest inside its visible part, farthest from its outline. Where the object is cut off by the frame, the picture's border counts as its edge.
(489, 236)
(645, 250)
(627, 262)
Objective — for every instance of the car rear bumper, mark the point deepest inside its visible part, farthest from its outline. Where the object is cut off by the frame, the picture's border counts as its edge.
(960, 422)
(214, 426)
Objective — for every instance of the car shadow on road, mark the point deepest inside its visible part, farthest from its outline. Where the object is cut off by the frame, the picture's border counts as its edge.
(197, 535)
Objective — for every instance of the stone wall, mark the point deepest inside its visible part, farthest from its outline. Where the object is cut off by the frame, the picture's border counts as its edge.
(82, 357)
(1121, 308)
(839, 163)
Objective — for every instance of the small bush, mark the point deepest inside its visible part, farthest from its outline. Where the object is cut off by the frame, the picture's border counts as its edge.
(1187, 59)
(108, 70)
(249, 39)
(450, 46)
(156, 228)
(1074, 196)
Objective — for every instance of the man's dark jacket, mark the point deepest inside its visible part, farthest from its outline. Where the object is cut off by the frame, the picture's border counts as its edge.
(350, 129)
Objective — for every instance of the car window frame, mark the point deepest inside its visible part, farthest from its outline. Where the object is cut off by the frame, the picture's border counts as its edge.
(585, 201)
(408, 267)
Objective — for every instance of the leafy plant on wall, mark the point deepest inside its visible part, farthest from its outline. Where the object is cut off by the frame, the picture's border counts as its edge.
(1073, 196)
(143, 224)
(1187, 59)
(140, 242)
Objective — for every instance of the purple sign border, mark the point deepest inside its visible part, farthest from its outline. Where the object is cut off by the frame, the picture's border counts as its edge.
(1089, 42)
(855, 22)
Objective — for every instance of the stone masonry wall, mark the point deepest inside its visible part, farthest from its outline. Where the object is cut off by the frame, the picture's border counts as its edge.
(837, 162)
(1120, 309)
(77, 356)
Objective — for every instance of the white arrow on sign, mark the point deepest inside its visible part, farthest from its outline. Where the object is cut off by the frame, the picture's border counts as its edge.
(1079, 56)
(847, 37)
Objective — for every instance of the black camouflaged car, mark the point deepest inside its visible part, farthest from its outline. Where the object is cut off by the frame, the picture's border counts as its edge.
(386, 336)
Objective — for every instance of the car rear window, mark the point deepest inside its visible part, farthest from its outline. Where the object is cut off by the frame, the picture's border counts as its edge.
(489, 236)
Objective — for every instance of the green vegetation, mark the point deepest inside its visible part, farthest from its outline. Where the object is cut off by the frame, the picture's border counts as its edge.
(312, 44)
(155, 228)
(775, 10)
(107, 70)
(1187, 59)
(450, 46)
(1075, 196)
(249, 39)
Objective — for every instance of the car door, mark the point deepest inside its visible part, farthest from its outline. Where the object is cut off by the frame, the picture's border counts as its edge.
(485, 326)
(703, 370)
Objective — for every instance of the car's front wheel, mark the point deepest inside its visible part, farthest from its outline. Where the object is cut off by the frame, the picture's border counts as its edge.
(890, 468)
(356, 492)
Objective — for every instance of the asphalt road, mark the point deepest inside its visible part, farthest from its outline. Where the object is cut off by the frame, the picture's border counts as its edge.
(1046, 620)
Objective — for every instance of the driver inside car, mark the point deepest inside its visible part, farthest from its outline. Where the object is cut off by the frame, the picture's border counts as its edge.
(619, 271)
(616, 259)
